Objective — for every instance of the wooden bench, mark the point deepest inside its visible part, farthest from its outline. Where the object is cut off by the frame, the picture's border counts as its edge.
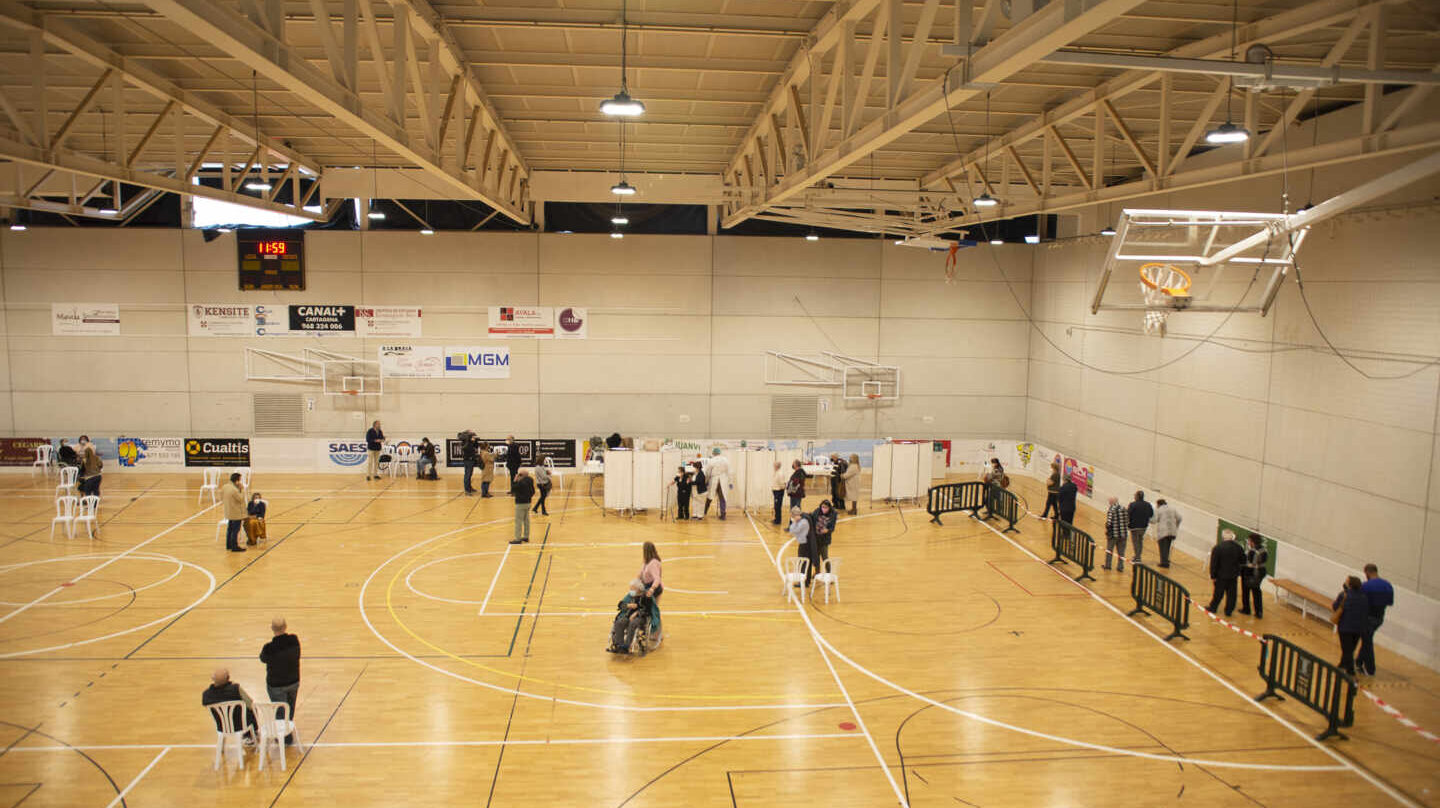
(1306, 596)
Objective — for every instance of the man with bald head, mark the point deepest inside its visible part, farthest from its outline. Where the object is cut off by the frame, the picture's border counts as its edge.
(282, 666)
(221, 689)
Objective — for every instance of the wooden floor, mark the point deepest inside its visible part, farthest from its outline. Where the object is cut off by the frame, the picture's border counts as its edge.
(444, 667)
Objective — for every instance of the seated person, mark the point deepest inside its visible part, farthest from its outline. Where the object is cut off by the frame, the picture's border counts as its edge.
(630, 618)
(221, 689)
(67, 454)
(426, 461)
(255, 519)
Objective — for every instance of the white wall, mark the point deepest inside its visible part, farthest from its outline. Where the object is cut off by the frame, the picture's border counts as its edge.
(678, 330)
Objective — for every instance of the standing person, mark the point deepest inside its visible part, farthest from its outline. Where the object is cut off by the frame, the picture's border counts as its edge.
(1379, 595)
(234, 500)
(255, 519)
(542, 482)
(650, 578)
(1065, 501)
(795, 487)
(719, 479)
(838, 467)
(282, 667)
(1256, 559)
(851, 479)
(1167, 527)
(1226, 561)
(994, 480)
(1353, 621)
(522, 489)
(1116, 520)
(804, 548)
(1052, 492)
(701, 487)
(682, 493)
(470, 457)
(1140, 514)
(823, 520)
(91, 470)
(374, 442)
(486, 457)
(427, 462)
(778, 481)
(512, 458)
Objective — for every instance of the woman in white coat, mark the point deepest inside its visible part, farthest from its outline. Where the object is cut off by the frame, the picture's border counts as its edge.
(1167, 527)
(719, 472)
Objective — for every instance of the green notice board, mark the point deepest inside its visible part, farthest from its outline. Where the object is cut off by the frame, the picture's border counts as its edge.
(1242, 535)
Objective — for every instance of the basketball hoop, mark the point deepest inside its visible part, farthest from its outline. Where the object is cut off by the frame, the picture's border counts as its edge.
(1165, 287)
(873, 396)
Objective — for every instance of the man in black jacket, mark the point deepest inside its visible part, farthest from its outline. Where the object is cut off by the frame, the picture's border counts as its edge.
(282, 667)
(470, 454)
(1139, 515)
(1226, 562)
(374, 443)
(1065, 505)
(513, 461)
(221, 689)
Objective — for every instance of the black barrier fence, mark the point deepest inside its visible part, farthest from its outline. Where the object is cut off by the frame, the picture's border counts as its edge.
(953, 497)
(1002, 503)
(1070, 543)
(1163, 596)
(1288, 668)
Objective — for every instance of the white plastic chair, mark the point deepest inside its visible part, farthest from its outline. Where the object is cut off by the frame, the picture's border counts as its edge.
(44, 459)
(795, 569)
(88, 515)
(229, 736)
(244, 472)
(828, 575)
(556, 475)
(209, 481)
(273, 718)
(64, 514)
(402, 460)
(68, 476)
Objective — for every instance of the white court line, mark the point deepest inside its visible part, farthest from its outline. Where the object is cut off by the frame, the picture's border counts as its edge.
(444, 744)
(668, 612)
(1057, 738)
(493, 579)
(119, 798)
(87, 574)
(515, 691)
(1344, 764)
(885, 767)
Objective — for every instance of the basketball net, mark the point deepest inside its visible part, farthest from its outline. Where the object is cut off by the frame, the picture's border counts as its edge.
(1165, 287)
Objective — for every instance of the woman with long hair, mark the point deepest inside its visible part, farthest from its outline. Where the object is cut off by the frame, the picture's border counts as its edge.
(654, 588)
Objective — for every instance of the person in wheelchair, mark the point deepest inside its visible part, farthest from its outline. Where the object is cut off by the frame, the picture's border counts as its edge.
(632, 618)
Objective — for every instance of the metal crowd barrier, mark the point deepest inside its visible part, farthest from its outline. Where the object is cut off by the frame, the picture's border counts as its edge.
(1070, 543)
(1163, 595)
(953, 497)
(1288, 668)
(1004, 504)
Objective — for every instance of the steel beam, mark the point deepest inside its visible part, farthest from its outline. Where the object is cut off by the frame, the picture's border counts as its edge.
(1318, 76)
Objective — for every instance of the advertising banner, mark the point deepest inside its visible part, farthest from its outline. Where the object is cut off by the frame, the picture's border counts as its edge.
(477, 363)
(572, 323)
(388, 321)
(221, 320)
(522, 321)
(562, 452)
(412, 361)
(309, 319)
(228, 452)
(1082, 476)
(150, 452)
(85, 318)
(342, 453)
(20, 451)
(1025, 452)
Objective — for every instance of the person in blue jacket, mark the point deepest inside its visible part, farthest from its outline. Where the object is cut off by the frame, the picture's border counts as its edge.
(1380, 595)
(1354, 621)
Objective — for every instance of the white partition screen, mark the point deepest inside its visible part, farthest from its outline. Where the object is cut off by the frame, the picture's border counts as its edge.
(880, 466)
(739, 474)
(903, 478)
(619, 480)
(759, 467)
(649, 481)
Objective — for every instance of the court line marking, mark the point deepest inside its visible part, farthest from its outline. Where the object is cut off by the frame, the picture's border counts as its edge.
(179, 567)
(493, 579)
(120, 798)
(855, 711)
(1057, 738)
(668, 613)
(619, 740)
(1344, 764)
(82, 576)
(365, 616)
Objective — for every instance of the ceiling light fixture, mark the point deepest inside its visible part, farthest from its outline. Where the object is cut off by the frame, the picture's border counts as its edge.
(109, 212)
(996, 242)
(622, 105)
(17, 227)
(985, 200)
(1228, 132)
(1107, 231)
(617, 235)
(812, 236)
(1032, 239)
(619, 220)
(258, 185)
(223, 230)
(622, 188)
(375, 214)
(425, 231)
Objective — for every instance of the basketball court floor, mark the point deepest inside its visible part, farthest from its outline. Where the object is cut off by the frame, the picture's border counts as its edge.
(443, 666)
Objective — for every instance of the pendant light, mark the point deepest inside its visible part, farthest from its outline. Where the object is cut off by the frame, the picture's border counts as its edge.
(621, 104)
(263, 183)
(1229, 132)
(622, 188)
(375, 214)
(985, 200)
